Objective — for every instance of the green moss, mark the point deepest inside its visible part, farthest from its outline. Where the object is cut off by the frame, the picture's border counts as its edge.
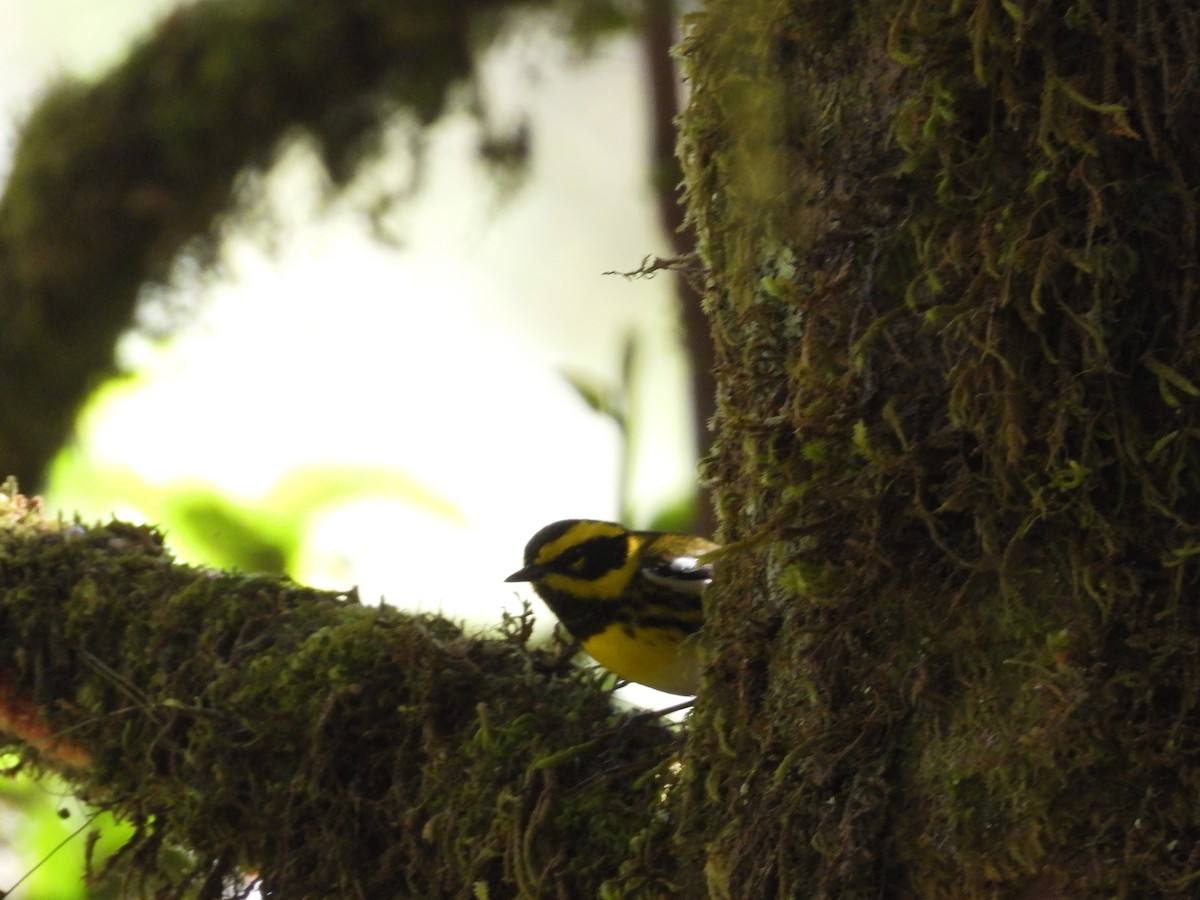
(949, 447)
(326, 746)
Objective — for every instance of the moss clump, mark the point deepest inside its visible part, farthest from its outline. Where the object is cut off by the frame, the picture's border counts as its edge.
(328, 747)
(953, 285)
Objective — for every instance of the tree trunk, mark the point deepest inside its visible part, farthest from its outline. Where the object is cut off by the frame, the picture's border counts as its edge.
(953, 266)
(953, 645)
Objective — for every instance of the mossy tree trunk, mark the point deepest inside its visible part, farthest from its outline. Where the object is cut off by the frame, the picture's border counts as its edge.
(954, 650)
(953, 288)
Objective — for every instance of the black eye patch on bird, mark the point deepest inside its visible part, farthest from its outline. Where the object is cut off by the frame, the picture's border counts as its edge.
(592, 559)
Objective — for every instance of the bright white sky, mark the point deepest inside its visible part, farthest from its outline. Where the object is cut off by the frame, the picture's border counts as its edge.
(437, 360)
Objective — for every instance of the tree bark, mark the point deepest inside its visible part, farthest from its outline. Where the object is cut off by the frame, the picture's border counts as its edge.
(660, 21)
(953, 258)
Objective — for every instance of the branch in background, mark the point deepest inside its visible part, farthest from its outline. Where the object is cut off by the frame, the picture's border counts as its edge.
(112, 180)
(658, 36)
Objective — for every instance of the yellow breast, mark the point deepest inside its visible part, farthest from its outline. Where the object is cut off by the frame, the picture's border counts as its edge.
(661, 658)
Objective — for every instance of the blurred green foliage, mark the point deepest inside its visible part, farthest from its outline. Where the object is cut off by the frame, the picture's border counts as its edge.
(52, 834)
(207, 526)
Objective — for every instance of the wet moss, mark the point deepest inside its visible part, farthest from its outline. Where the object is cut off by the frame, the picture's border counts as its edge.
(952, 259)
(326, 747)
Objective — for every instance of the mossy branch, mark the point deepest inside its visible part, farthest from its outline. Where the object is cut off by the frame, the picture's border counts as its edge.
(331, 748)
(112, 179)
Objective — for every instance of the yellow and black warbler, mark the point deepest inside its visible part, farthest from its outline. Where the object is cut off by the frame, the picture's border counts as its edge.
(631, 598)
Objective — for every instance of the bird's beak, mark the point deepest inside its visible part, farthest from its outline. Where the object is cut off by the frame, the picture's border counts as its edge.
(528, 573)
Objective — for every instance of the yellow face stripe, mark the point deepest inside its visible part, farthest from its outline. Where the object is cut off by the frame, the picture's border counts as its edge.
(610, 585)
(581, 531)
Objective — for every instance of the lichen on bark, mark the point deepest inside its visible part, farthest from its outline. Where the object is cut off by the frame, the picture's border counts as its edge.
(952, 253)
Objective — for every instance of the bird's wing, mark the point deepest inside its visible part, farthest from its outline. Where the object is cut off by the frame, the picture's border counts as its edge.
(679, 573)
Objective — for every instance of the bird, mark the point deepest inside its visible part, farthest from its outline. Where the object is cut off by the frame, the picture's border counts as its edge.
(631, 598)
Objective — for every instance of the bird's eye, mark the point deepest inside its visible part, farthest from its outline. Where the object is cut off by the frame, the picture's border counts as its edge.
(574, 559)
